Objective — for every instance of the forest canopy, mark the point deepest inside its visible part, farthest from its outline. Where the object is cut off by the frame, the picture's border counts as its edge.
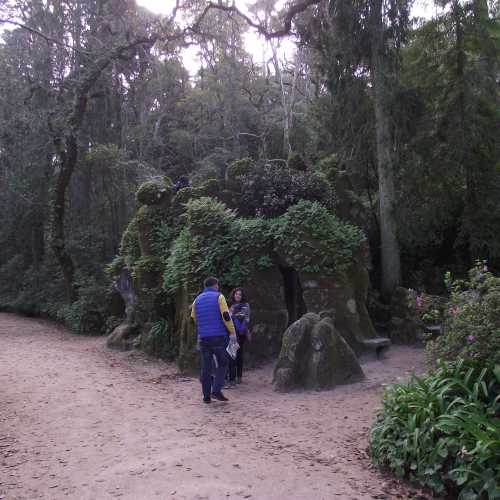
(396, 117)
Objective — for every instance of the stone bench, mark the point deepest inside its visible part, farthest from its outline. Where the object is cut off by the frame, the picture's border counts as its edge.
(376, 345)
(432, 331)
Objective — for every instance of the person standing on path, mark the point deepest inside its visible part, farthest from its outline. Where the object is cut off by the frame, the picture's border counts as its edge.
(240, 312)
(213, 323)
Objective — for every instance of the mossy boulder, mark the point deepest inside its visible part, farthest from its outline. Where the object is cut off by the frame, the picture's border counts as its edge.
(239, 168)
(314, 356)
(210, 188)
(149, 220)
(124, 337)
(345, 294)
(153, 193)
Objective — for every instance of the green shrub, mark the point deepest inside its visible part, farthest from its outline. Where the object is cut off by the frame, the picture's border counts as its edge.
(239, 168)
(314, 240)
(443, 431)
(115, 266)
(216, 242)
(472, 319)
(268, 190)
(161, 341)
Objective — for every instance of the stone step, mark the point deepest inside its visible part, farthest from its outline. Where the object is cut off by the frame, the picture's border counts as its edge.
(377, 345)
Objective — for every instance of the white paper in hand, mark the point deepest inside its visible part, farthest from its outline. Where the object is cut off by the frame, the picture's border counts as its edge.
(232, 348)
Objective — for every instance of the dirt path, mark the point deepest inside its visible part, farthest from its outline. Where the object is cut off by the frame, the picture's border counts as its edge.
(78, 421)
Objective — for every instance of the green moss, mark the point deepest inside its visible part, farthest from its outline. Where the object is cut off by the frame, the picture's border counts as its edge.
(152, 193)
(209, 188)
(313, 240)
(129, 248)
(154, 225)
(116, 265)
(148, 265)
(239, 168)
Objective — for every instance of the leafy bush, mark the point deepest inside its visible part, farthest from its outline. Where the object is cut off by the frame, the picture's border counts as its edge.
(443, 431)
(161, 341)
(205, 247)
(129, 247)
(269, 190)
(472, 319)
(314, 240)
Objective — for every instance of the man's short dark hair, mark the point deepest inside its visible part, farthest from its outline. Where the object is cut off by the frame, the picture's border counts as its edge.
(210, 282)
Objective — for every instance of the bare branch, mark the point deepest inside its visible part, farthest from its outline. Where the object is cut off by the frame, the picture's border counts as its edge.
(288, 16)
(41, 35)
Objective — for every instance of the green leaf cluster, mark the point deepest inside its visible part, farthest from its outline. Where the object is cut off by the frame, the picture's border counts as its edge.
(314, 240)
(443, 431)
(217, 242)
(472, 319)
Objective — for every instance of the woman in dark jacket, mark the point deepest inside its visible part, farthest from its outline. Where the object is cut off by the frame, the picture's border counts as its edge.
(240, 313)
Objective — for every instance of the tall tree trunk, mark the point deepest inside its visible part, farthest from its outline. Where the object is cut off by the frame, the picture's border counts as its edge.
(68, 158)
(390, 254)
(66, 147)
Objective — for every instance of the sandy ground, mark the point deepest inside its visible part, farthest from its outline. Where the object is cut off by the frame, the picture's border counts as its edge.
(79, 421)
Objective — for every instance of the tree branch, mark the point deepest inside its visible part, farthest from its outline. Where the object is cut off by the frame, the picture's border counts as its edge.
(288, 16)
(41, 35)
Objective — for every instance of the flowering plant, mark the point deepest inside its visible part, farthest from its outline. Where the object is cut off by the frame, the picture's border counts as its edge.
(472, 319)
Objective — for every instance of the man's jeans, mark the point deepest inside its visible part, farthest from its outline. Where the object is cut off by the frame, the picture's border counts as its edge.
(209, 347)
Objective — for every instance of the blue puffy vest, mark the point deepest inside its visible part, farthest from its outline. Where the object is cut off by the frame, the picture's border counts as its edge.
(209, 320)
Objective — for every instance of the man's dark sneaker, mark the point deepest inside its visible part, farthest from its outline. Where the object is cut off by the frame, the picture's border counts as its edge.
(219, 396)
(207, 400)
(238, 380)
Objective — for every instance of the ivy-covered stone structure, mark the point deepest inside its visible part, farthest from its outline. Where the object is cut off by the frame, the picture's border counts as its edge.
(270, 229)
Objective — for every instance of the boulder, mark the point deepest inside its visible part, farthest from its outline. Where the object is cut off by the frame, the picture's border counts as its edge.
(314, 356)
(346, 294)
(124, 337)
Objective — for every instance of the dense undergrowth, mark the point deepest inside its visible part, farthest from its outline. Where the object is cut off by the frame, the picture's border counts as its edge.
(443, 430)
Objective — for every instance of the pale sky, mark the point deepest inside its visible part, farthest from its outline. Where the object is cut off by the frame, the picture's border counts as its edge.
(255, 44)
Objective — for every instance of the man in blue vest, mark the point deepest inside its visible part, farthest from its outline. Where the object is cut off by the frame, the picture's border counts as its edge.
(213, 323)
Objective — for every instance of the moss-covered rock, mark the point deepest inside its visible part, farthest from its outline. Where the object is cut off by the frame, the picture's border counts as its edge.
(153, 193)
(314, 356)
(130, 250)
(151, 222)
(183, 196)
(239, 168)
(124, 337)
(345, 294)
